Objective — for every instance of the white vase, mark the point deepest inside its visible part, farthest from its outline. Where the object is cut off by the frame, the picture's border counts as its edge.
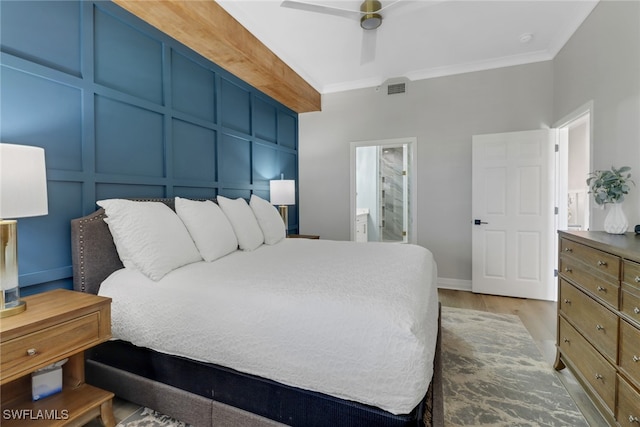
(616, 221)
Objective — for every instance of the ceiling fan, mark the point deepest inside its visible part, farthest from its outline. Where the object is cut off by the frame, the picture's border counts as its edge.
(369, 14)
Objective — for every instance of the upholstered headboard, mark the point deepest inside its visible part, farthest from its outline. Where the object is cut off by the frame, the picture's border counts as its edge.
(93, 253)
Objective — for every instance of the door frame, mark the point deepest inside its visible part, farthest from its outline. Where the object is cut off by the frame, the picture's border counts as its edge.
(562, 171)
(412, 143)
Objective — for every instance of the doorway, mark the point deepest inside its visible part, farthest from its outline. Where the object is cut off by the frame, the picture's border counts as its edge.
(573, 166)
(383, 191)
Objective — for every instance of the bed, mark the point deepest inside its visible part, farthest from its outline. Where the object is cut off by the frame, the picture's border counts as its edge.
(298, 332)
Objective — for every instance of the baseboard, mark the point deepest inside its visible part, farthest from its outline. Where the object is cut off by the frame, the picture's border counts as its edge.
(455, 284)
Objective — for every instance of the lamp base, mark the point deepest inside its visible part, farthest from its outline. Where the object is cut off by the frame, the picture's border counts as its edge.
(10, 303)
(6, 312)
(284, 213)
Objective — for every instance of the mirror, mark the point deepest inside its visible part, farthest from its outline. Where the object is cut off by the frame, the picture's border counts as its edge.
(382, 189)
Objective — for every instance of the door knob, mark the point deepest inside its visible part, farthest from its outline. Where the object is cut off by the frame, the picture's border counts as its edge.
(478, 222)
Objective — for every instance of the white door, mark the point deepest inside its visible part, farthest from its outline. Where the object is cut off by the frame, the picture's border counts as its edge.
(513, 232)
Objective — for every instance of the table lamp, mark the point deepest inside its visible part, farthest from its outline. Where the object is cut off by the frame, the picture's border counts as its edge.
(282, 193)
(23, 193)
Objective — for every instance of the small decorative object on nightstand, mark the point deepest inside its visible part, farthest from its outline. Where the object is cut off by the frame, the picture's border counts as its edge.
(58, 325)
(303, 236)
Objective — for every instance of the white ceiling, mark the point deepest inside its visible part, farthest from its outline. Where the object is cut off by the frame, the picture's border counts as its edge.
(418, 39)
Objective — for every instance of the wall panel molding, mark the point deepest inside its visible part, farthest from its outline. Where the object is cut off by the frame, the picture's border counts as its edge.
(123, 110)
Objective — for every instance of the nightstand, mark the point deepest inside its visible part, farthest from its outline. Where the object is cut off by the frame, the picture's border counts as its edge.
(56, 325)
(303, 236)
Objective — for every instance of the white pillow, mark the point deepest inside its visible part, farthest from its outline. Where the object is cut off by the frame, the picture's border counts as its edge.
(243, 221)
(149, 236)
(208, 226)
(269, 220)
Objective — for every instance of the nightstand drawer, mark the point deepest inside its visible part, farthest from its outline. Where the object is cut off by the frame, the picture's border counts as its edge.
(630, 351)
(26, 353)
(593, 320)
(600, 374)
(628, 404)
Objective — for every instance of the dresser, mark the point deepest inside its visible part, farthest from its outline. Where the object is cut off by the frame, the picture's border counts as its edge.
(598, 335)
(57, 325)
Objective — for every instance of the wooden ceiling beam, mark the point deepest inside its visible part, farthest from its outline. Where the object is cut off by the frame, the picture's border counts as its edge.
(208, 29)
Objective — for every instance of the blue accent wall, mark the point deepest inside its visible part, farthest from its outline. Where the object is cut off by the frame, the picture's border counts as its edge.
(123, 110)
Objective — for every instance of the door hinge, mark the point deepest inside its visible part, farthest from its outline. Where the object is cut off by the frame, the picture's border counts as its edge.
(557, 148)
(404, 173)
(404, 234)
(556, 210)
(555, 272)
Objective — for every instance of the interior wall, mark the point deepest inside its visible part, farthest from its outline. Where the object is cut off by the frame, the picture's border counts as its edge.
(122, 110)
(443, 113)
(601, 63)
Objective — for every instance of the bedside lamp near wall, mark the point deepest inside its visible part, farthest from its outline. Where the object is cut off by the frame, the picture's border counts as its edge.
(282, 193)
(23, 193)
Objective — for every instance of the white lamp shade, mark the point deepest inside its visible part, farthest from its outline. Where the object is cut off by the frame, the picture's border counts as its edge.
(23, 181)
(282, 192)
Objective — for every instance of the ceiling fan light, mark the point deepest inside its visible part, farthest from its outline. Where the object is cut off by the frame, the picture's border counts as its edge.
(370, 21)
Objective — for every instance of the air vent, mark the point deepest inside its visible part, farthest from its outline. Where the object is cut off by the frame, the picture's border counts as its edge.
(396, 88)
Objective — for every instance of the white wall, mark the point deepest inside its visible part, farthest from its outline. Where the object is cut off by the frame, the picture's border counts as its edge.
(443, 113)
(601, 62)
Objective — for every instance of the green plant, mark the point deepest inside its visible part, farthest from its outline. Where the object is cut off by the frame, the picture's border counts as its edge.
(610, 186)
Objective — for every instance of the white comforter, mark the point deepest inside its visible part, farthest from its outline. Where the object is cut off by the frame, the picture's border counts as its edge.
(352, 320)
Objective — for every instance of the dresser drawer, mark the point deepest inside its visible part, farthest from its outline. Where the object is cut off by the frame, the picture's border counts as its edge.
(599, 285)
(593, 320)
(631, 273)
(628, 413)
(48, 345)
(595, 370)
(601, 261)
(631, 302)
(630, 351)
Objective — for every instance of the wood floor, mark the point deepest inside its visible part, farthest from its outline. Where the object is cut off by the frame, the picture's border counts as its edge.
(539, 317)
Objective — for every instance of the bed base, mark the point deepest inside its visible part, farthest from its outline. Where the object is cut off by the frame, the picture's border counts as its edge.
(94, 257)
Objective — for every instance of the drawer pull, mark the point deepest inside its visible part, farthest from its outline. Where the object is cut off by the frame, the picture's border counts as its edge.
(633, 419)
(598, 376)
(636, 358)
(599, 327)
(567, 301)
(637, 279)
(567, 270)
(636, 310)
(602, 263)
(601, 289)
(568, 250)
(31, 352)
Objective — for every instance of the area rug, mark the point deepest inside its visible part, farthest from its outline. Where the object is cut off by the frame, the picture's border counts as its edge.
(494, 375)
(145, 417)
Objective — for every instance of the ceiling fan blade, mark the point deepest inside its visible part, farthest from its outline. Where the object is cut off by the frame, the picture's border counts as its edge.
(320, 8)
(393, 3)
(368, 48)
